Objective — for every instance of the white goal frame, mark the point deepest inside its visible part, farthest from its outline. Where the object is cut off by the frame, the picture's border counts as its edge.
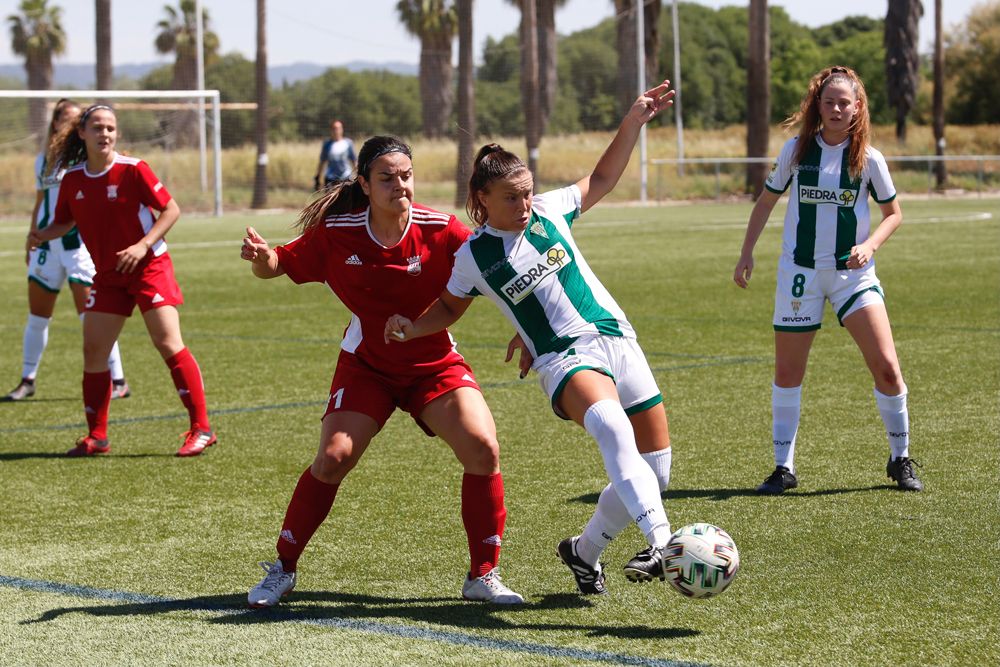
(212, 96)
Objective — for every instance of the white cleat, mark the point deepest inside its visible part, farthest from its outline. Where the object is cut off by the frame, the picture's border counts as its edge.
(276, 585)
(489, 588)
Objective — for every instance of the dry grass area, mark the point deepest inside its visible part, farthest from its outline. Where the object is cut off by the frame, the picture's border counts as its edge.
(563, 160)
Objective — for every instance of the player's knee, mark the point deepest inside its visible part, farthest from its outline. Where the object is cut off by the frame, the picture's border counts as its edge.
(483, 455)
(888, 376)
(333, 462)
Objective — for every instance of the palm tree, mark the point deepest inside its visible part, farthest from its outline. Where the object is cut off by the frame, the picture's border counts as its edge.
(940, 171)
(548, 80)
(434, 22)
(758, 94)
(102, 10)
(625, 38)
(902, 62)
(37, 34)
(260, 131)
(466, 102)
(529, 83)
(178, 35)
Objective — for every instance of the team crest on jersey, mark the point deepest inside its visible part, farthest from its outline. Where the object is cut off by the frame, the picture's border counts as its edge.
(414, 266)
(796, 304)
(537, 228)
(112, 192)
(530, 277)
(812, 194)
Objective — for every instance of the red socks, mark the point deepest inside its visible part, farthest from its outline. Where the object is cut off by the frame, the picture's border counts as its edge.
(187, 378)
(307, 509)
(96, 399)
(483, 514)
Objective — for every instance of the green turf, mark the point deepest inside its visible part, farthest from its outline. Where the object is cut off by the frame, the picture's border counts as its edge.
(843, 571)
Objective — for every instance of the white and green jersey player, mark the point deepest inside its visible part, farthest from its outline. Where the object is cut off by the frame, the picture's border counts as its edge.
(828, 210)
(539, 278)
(567, 319)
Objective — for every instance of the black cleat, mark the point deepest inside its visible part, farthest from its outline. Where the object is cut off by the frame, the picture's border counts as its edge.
(780, 481)
(647, 565)
(589, 580)
(901, 471)
(26, 389)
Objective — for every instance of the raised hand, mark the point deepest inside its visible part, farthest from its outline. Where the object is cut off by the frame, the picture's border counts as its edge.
(651, 102)
(255, 248)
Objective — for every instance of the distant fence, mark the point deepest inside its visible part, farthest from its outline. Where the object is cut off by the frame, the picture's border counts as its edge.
(715, 177)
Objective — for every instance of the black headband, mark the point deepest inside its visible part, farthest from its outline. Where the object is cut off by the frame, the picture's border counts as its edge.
(363, 169)
(91, 109)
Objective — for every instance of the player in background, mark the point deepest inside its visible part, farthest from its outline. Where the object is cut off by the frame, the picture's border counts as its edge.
(523, 257)
(51, 264)
(380, 253)
(338, 155)
(829, 254)
(110, 198)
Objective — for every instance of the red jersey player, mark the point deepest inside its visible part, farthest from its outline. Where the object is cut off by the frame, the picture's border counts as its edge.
(110, 198)
(377, 251)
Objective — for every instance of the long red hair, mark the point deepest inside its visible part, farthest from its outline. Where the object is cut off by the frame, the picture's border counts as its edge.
(809, 121)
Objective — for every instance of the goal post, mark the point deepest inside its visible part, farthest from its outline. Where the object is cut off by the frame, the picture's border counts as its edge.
(164, 123)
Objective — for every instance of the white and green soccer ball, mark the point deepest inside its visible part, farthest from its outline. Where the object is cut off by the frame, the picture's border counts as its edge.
(701, 560)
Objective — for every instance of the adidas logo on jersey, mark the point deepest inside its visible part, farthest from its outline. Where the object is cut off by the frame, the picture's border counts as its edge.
(79, 195)
(467, 378)
(353, 260)
(157, 298)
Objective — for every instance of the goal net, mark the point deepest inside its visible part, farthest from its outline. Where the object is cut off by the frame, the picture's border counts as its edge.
(176, 131)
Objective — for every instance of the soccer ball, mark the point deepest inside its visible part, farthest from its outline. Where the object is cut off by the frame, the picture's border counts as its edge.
(701, 560)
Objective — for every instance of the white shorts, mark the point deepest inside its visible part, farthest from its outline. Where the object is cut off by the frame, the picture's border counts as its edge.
(51, 268)
(619, 358)
(801, 294)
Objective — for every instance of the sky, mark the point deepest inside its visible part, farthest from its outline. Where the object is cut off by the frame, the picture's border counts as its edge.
(334, 32)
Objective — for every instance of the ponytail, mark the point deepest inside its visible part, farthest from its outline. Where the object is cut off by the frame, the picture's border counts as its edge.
(492, 163)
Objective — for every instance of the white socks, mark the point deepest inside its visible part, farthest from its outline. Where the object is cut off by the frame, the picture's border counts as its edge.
(896, 418)
(631, 477)
(786, 404)
(610, 518)
(36, 337)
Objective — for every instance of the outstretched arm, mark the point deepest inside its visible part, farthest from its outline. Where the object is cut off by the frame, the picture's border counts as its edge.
(439, 316)
(263, 260)
(612, 164)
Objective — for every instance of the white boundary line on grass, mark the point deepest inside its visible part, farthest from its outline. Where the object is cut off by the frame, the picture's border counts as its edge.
(365, 627)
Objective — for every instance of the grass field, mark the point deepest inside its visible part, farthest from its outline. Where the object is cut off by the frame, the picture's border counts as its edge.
(141, 558)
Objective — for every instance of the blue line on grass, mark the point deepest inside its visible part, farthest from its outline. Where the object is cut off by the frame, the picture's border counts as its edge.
(367, 627)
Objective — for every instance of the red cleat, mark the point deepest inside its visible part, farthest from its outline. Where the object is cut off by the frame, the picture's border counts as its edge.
(88, 446)
(195, 442)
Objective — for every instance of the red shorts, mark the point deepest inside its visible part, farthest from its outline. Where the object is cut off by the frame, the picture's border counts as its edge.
(152, 286)
(357, 387)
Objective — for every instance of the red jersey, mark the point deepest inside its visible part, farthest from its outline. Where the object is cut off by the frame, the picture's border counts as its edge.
(374, 282)
(112, 209)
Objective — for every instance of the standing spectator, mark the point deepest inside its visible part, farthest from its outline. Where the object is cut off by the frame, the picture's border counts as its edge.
(828, 254)
(51, 264)
(380, 253)
(110, 198)
(338, 156)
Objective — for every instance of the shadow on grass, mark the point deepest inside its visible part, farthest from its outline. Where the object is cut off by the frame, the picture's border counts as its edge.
(18, 456)
(726, 494)
(375, 613)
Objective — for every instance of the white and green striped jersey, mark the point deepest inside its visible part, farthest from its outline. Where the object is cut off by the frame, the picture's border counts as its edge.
(539, 278)
(48, 185)
(827, 210)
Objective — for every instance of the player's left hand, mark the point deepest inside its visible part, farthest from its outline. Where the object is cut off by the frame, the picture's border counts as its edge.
(860, 255)
(525, 360)
(397, 329)
(652, 102)
(129, 258)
